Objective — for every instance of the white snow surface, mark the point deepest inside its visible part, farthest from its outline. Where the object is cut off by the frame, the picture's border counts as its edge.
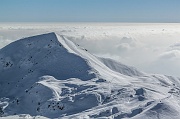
(49, 76)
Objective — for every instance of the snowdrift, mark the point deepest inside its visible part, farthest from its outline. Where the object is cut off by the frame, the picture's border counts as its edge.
(50, 76)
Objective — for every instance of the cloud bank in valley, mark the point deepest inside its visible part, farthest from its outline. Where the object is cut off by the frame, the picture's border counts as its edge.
(153, 48)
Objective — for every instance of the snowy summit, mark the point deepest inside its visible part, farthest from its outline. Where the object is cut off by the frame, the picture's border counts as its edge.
(52, 77)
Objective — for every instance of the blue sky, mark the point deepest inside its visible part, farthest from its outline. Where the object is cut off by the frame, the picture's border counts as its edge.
(89, 10)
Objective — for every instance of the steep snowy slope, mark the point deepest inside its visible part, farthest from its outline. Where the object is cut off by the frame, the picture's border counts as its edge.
(121, 68)
(50, 76)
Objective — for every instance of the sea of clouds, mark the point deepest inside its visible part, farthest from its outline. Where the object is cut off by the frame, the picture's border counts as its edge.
(152, 48)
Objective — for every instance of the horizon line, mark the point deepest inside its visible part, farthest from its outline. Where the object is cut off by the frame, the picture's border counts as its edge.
(79, 22)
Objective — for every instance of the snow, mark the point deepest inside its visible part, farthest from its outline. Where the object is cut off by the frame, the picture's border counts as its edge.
(49, 76)
(150, 47)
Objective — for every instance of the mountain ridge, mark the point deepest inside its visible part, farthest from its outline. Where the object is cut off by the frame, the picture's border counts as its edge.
(51, 76)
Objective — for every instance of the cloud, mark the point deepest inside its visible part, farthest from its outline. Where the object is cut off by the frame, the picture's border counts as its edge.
(144, 46)
(170, 54)
(123, 47)
(132, 42)
(106, 45)
(4, 41)
(175, 46)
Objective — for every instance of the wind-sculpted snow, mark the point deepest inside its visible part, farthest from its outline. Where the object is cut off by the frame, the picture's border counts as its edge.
(48, 76)
(121, 68)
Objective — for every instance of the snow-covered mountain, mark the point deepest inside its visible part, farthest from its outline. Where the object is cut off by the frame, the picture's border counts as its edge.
(50, 76)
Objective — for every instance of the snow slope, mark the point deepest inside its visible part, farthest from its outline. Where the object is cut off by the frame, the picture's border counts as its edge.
(50, 76)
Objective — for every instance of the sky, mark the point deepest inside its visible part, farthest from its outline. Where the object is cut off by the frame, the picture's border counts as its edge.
(89, 10)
